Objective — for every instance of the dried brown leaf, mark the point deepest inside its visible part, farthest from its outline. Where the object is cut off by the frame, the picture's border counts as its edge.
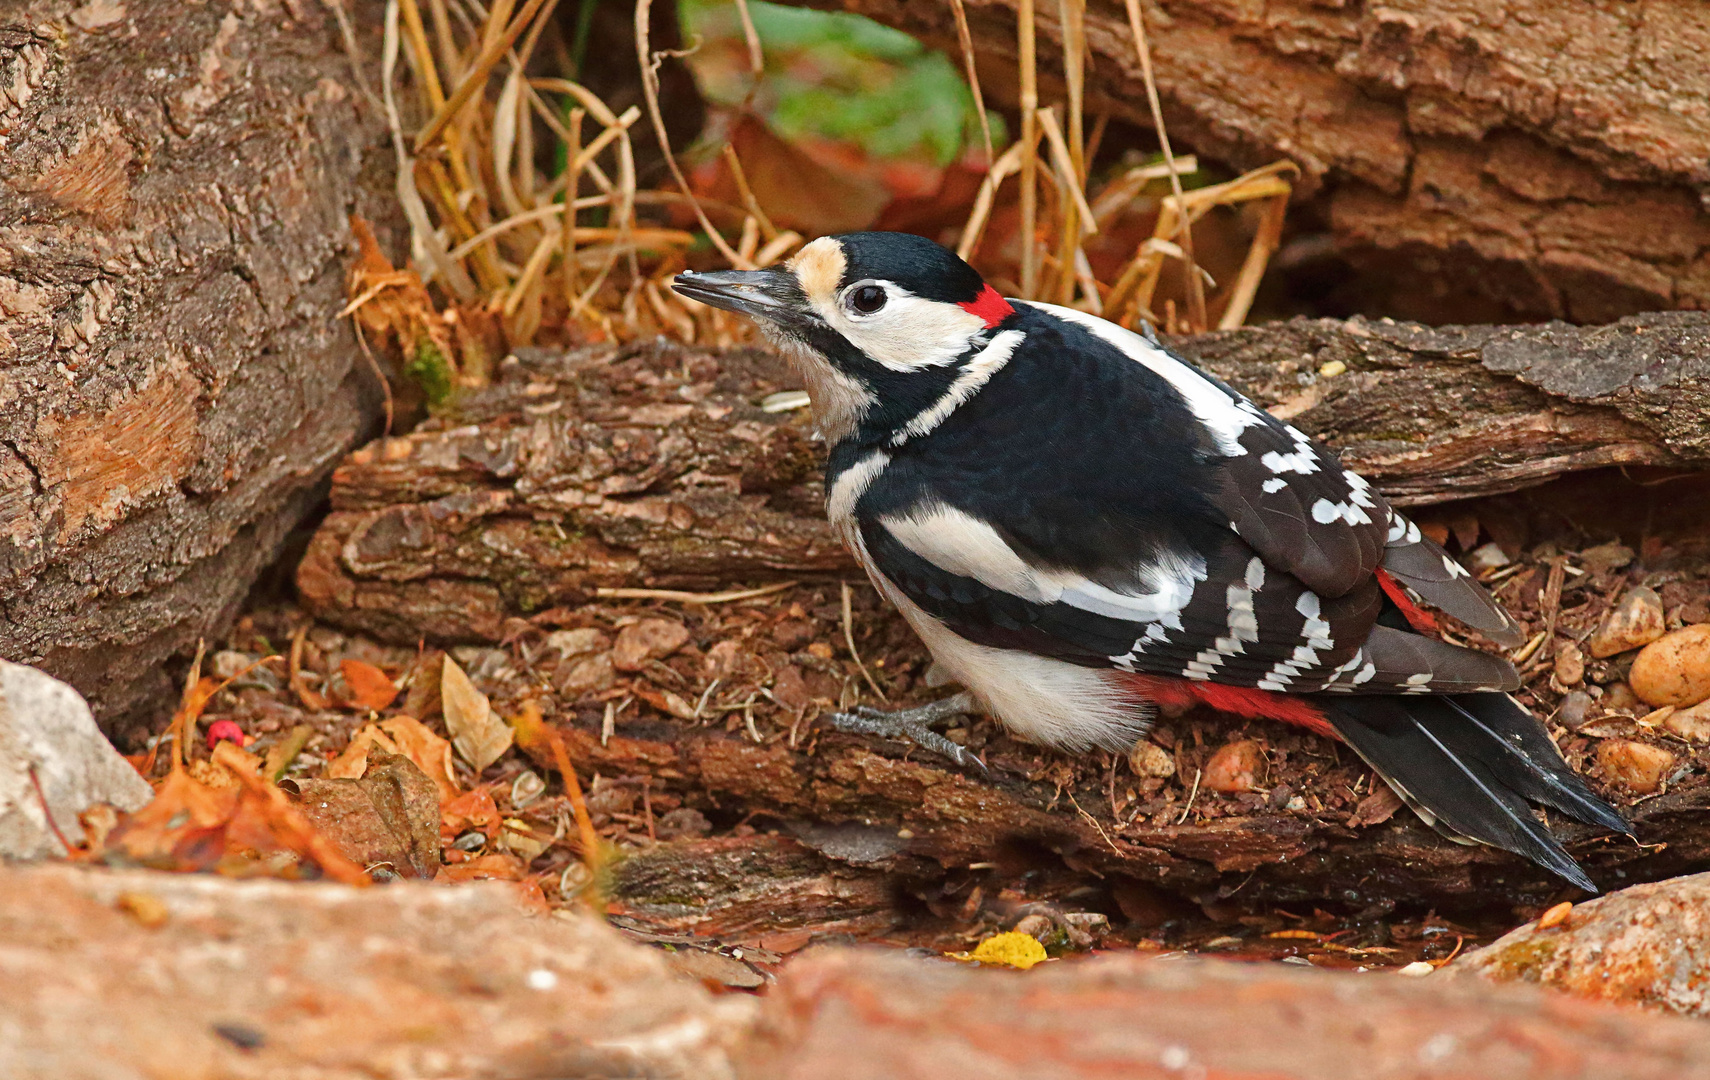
(479, 736)
(370, 687)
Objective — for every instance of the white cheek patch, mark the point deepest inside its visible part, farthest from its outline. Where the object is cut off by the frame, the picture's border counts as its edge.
(908, 333)
(1224, 417)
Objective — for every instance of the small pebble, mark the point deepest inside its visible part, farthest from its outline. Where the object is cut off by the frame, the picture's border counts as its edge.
(1235, 767)
(1488, 557)
(1674, 669)
(1149, 759)
(1638, 767)
(1618, 697)
(1570, 665)
(1637, 620)
(1415, 969)
(1556, 916)
(1572, 712)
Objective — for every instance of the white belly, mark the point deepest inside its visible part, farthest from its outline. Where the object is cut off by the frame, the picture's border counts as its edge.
(1037, 698)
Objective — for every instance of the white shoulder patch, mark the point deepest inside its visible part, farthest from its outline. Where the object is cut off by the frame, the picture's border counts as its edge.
(961, 544)
(1225, 419)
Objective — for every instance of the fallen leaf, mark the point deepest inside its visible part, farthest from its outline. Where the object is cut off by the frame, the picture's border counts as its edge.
(1011, 949)
(471, 810)
(423, 699)
(353, 762)
(431, 753)
(1376, 808)
(191, 826)
(518, 837)
(369, 686)
(479, 736)
(390, 816)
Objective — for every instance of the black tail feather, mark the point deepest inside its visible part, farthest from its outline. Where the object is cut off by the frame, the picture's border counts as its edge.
(1473, 764)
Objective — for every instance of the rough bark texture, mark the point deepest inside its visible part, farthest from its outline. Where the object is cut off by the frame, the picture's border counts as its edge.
(1647, 945)
(174, 196)
(652, 466)
(1553, 159)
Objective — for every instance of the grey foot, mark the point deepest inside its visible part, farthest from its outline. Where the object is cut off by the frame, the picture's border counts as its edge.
(914, 725)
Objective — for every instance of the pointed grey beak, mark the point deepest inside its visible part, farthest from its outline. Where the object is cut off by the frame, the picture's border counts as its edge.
(773, 295)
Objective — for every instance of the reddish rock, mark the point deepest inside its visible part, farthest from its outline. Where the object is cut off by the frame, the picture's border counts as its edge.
(1237, 766)
(1674, 669)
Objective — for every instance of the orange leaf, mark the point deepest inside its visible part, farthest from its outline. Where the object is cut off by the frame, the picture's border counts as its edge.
(431, 754)
(369, 685)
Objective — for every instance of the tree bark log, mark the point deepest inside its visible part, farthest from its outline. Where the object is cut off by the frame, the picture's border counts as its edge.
(653, 466)
(1553, 160)
(173, 231)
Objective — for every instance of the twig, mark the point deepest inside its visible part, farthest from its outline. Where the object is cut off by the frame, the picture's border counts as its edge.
(47, 814)
(1196, 289)
(374, 366)
(476, 77)
(849, 639)
(650, 91)
(572, 187)
(1094, 822)
(181, 733)
(1264, 245)
(734, 163)
(967, 40)
(578, 805)
(294, 672)
(1192, 795)
(1029, 142)
(690, 597)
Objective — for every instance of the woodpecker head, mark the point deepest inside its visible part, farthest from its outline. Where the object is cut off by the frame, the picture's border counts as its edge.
(879, 324)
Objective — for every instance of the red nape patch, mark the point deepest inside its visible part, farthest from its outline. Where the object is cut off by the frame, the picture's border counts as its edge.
(1418, 618)
(1241, 700)
(989, 306)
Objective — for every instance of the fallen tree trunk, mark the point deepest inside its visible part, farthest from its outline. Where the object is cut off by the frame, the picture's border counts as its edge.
(173, 207)
(653, 466)
(1552, 161)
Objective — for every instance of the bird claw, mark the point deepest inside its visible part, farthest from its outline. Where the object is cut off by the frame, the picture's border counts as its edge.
(912, 725)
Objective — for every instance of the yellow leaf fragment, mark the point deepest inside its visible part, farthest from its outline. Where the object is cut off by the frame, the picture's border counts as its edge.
(1011, 949)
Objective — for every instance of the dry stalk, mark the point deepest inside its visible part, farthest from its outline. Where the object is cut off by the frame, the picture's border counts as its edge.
(1196, 291)
(1029, 75)
(650, 91)
(966, 39)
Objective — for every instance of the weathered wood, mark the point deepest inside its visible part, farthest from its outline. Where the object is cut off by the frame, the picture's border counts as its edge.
(174, 196)
(1550, 159)
(655, 467)
(853, 1015)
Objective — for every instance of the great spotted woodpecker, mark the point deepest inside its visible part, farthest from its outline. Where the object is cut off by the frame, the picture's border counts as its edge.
(1081, 525)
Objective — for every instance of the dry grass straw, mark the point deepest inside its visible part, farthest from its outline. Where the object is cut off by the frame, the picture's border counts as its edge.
(1052, 260)
(506, 243)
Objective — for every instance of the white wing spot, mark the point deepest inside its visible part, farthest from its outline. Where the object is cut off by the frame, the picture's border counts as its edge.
(1273, 485)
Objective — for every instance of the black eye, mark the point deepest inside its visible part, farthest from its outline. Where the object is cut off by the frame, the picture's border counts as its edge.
(867, 299)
